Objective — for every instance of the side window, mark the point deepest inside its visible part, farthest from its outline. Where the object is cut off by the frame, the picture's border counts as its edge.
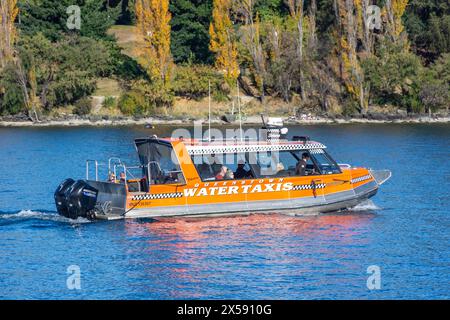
(282, 164)
(222, 167)
(164, 167)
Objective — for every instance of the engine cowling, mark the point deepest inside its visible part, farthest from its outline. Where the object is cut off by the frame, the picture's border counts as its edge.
(76, 199)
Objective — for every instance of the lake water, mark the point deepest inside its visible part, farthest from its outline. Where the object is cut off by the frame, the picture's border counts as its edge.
(405, 230)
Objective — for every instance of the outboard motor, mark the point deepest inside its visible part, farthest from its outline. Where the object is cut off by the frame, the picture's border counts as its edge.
(60, 197)
(79, 199)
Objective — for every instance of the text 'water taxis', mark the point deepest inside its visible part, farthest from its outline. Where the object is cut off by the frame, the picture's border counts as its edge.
(184, 177)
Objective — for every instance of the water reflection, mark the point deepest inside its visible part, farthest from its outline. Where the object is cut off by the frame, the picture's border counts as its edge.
(195, 255)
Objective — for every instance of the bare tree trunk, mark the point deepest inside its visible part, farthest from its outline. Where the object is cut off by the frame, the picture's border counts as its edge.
(22, 81)
(312, 25)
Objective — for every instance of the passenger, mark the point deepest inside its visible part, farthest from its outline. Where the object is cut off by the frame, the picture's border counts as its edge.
(229, 175)
(302, 164)
(112, 177)
(123, 177)
(241, 173)
(222, 173)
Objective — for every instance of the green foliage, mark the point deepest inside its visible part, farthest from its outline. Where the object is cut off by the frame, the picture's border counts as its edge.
(190, 30)
(428, 26)
(192, 81)
(49, 17)
(144, 97)
(65, 70)
(131, 103)
(268, 9)
(83, 107)
(11, 97)
(392, 76)
(435, 84)
(110, 102)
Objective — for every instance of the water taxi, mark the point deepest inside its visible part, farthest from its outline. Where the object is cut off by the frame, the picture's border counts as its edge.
(197, 178)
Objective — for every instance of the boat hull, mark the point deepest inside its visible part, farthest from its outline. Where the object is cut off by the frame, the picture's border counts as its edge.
(296, 206)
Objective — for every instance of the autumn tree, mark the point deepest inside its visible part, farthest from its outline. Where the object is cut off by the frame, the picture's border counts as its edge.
(8, 33)
(153, 24)
(394, 10)
(348, 13)
(222, 41)
(297, 13)
(251, 39)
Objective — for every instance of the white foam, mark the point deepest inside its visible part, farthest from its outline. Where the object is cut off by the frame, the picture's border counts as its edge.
(367, 205)
(30, 214)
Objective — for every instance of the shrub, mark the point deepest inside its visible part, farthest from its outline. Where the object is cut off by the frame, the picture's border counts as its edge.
(192, 82)
(83, 107)
(132, 103)
(110, 102)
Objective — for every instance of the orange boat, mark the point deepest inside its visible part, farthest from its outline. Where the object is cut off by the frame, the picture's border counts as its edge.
(187, 177)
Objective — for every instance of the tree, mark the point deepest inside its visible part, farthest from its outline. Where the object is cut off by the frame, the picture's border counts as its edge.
(49, 17)
(392, 74)
(428, 26)
(252, 40)
(153, 22)
(190, 30)
(8, 33)
(222, 41)
(347, 28)
(394, 12)
(296, 10)
(435, 84)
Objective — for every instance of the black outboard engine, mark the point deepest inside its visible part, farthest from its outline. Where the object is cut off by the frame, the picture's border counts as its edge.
(60, 197)
(79, 199)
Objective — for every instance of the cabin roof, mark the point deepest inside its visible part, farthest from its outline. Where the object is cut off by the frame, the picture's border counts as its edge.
(197, 147)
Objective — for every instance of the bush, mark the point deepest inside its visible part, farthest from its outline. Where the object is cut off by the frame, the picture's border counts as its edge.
(132, 103)
(11, 96)
(192, 82)
(110, 102)
(83, 107)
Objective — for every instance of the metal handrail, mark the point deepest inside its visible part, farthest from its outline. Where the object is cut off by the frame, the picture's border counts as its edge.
(96, 169)
(109, 164)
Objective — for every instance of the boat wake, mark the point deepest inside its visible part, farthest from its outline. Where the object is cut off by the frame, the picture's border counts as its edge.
(367, 205)
(26, 215)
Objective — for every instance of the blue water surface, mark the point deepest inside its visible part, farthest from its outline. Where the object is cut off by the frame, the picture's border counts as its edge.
(404, 231)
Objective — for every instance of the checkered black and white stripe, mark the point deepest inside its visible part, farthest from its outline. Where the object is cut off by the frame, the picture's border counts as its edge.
(157, 196)
(316, 151)
(309, 186)
(199, 150)
(363, 178)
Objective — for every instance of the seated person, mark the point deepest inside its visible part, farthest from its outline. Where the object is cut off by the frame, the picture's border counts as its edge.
(122, 177)
(112, 177)
(205, 171)
(229, 175)
(222, 173)
(241, 173)
(300, 169)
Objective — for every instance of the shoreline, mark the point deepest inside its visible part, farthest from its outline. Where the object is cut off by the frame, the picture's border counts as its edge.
(253, 120)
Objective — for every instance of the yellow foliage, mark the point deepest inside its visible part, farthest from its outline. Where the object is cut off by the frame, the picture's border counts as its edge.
(222, 43)
(8, 32)
(398, 9)
(153, 22)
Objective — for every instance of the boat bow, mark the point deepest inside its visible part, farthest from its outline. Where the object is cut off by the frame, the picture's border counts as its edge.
(381, 176)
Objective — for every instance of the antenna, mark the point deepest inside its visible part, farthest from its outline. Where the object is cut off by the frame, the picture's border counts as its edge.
(239, 107)
(209, 112)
